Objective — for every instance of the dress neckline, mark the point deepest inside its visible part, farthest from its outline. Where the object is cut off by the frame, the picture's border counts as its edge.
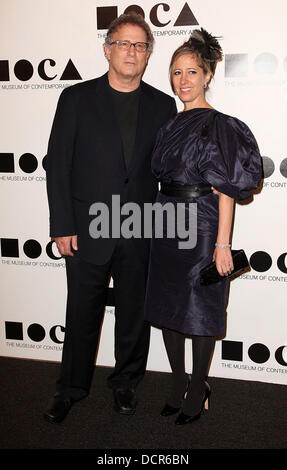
(195, 109)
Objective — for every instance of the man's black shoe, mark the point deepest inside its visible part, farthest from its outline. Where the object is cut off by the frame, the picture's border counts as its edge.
(125, 401)
(59, 409)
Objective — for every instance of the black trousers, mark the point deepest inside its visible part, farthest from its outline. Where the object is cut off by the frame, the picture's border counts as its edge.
(86, 302)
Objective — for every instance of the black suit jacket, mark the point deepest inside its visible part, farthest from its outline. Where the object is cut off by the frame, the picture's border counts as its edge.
(85, 162)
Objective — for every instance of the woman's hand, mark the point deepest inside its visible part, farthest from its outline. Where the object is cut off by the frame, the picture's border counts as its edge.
(215, 191)
(223, 260)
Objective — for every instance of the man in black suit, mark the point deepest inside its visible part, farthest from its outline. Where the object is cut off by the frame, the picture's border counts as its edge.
(100, 146)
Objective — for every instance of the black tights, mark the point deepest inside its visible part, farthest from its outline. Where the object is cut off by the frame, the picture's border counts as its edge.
(202, 347)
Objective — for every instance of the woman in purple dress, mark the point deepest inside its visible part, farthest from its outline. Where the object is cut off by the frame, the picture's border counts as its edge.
(205, 160)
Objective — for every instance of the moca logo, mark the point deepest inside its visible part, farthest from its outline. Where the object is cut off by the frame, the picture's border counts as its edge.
(24, 70)
(185, 17)
(9, 247)
(257, 352)
(27, 162)
(36, 332)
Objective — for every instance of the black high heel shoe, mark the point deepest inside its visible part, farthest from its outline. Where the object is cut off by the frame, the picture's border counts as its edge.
(169, 410)
(185, 419)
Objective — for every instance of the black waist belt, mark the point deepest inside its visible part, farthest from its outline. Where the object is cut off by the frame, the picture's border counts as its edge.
(185, 190)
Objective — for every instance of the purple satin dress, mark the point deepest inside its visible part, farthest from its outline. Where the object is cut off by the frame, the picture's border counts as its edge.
(228, 159)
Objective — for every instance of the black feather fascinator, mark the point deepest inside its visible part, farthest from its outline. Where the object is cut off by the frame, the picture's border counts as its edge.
(206, 45)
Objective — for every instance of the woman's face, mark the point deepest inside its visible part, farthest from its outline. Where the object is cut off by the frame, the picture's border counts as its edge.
(188, 81)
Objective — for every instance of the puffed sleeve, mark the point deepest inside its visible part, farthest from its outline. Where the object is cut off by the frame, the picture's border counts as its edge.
(229, 158)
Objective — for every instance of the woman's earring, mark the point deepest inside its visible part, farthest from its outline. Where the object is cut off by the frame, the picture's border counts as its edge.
(205, 85)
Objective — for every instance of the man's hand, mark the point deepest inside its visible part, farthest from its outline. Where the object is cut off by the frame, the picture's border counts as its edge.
(64, 244)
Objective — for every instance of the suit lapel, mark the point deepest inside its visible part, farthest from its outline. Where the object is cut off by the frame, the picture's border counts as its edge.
(109, 126)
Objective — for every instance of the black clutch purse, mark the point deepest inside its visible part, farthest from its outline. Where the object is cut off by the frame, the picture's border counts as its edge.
(210, 275)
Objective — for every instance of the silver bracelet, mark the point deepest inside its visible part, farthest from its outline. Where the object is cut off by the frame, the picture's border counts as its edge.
(222, 246)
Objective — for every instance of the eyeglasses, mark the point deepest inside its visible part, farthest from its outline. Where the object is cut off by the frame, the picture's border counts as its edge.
(125, 45)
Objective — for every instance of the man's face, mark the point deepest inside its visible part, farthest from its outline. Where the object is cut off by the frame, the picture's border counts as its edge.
(127, 64)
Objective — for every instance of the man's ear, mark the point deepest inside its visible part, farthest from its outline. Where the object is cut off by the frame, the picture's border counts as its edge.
(107, 51)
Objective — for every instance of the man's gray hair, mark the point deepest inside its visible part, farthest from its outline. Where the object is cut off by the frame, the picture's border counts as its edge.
(130, 18)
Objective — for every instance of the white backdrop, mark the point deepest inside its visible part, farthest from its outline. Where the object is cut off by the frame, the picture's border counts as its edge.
(46, 46)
